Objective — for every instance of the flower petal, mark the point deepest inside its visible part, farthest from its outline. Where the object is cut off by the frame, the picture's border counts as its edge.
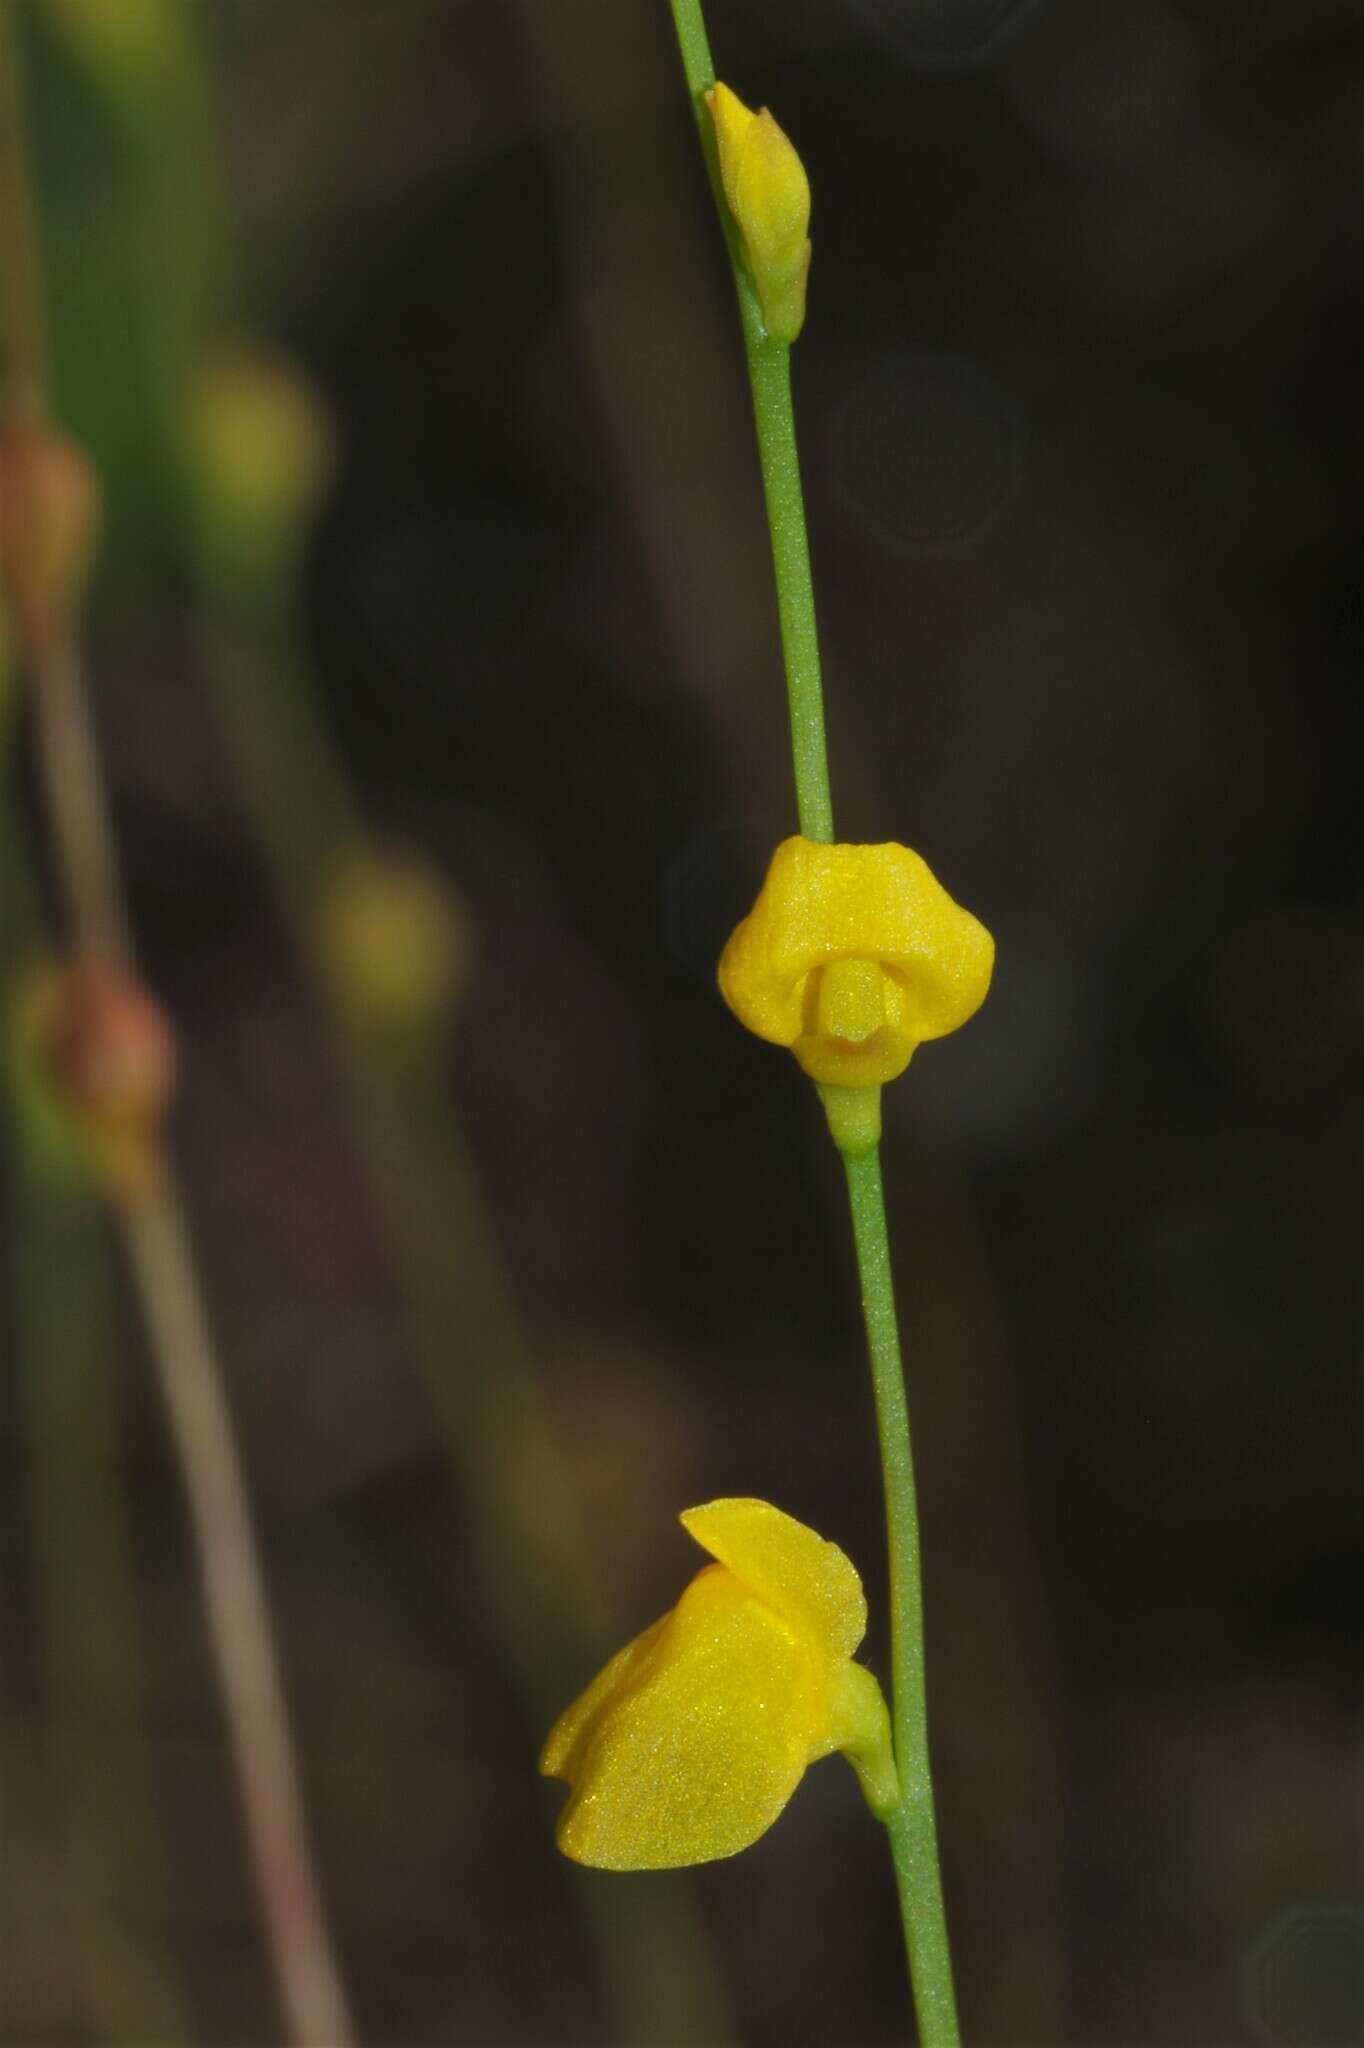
(568, 1738)
(771, 197)
(822, 903)
(733, 126)
(700, 1738)
(808, 1580)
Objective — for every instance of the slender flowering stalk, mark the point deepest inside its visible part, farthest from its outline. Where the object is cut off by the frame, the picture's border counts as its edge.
(41, 568)
(769, 373)
(853, 1110)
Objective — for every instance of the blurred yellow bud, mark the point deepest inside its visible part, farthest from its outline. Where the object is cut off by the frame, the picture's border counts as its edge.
(263, 455)
(132, 49)
(49, 524)
(852, 956)
(98, 1068)
(688, 1745)
(395, 942)
(768, 192)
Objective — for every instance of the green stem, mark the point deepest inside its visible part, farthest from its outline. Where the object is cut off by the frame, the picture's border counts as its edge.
(697, 61)
(769, 371)
(769, 374)
(911, 1827)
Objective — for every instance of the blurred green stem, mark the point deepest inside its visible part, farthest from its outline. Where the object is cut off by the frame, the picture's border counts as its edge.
(24, 395)
(237, 1615)
(481, 1381)
(156, 1236)
(479, 1377)
(64, 1308)
(911, 1828)
(65, 1305)
(135, 72)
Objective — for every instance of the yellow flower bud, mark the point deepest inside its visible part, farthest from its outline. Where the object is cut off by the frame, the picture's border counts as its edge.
(852, 956)
(263, 454)
(133, 51)
(689, 1744)
(395, 941)
(768, 192)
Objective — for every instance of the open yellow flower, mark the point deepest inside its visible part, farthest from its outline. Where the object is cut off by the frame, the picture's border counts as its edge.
(852, 956)
(689, 1744)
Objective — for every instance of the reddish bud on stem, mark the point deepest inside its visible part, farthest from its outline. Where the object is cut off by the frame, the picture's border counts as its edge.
(49, 523)
(100, 1054)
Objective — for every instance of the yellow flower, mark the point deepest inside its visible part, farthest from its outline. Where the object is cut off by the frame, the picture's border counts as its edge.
(768, 192)
(852, 956)
(689, 1744)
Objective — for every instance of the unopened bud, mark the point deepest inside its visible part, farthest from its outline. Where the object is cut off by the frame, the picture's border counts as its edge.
(98, 1059)
(49, 523)
(133, 50)
(263, 454)
(768, 192)
(395, 942)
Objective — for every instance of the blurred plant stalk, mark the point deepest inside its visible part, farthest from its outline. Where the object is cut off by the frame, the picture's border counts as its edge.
(389, 948)
(43, 586)
(385, 941)
(387, 944)
(64, 1306)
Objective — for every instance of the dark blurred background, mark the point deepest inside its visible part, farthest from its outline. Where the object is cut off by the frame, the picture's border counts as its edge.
(1082, 419)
